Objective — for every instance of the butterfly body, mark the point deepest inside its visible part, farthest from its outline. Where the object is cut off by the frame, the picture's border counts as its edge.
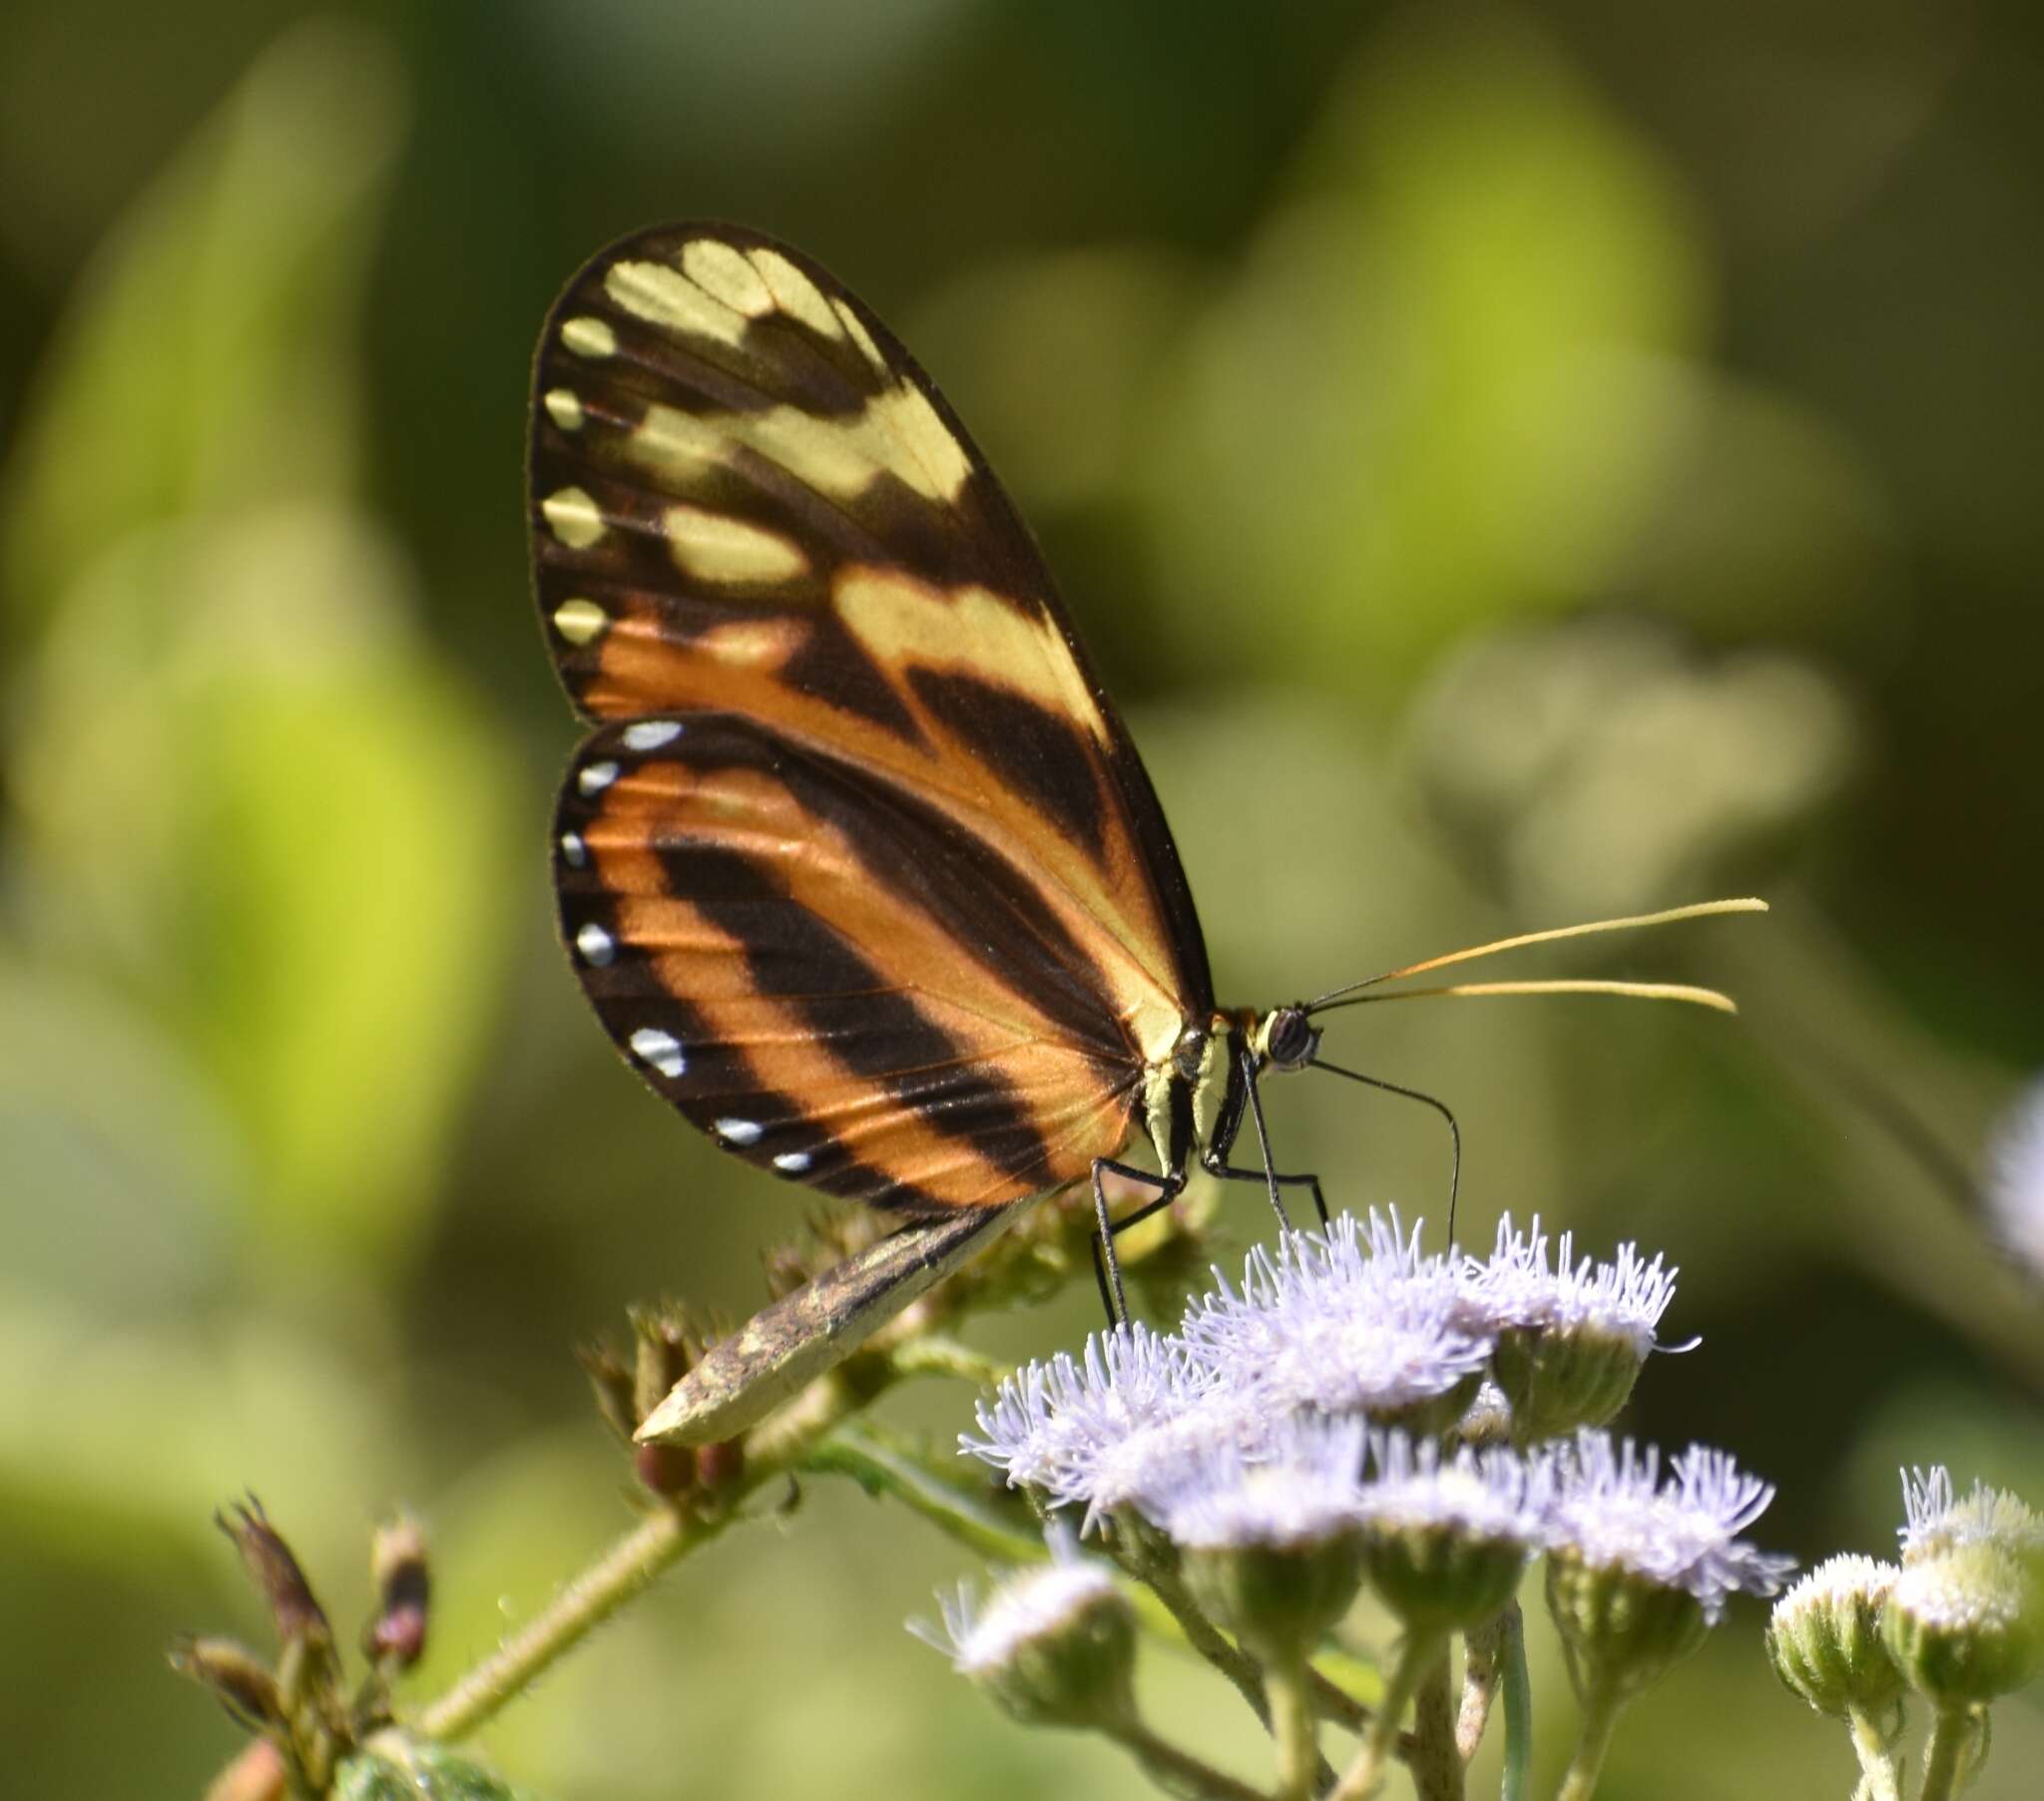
(860, 866)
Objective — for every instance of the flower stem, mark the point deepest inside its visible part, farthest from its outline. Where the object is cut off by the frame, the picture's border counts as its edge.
(1945, 1757)
(1179, 1773)
(1436, 1763)
(1366, 1774)
(1294, 1724)
(1518, 1688)
(636, 1561)
(1601, 1708)
(1880, 1759)
(1482, 1668)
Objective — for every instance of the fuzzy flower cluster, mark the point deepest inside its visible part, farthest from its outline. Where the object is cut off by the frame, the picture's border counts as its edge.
(1327, 1391)
(1516, 1287)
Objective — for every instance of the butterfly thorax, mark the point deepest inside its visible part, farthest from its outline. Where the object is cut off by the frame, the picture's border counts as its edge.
(1193, 1100)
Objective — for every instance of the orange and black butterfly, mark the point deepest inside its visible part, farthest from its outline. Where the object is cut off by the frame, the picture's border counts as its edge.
(859, 868)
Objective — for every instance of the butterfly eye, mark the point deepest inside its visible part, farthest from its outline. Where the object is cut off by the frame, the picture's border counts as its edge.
(1288, 1038)
(1191, 1054)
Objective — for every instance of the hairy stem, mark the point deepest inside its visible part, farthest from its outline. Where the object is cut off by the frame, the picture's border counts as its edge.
(1483, 1669)
(1436, 1763)
(1179, 1773)
(637, 1561)
(1366, 1774)
(1880, 1758)
(1601, 1708)
(1294, 1724)
(1945, 1757)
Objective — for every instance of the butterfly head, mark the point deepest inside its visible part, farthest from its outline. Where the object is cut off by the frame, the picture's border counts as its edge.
(1285, 1038)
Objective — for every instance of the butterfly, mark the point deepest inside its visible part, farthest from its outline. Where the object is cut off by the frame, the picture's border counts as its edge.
(860, 866)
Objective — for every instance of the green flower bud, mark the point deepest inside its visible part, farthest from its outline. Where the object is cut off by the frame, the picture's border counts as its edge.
(1279, 1598)
(1054, 1647)
(1825, 1638)
(1968, 1625)
(1440, 1576)
(1558, 1378)
(1621, 1632)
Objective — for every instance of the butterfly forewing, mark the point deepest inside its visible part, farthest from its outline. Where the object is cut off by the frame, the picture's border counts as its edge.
(861, 869)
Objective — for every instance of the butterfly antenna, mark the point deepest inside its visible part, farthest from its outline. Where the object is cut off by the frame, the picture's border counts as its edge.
(1440, 1106)
(1354, 995)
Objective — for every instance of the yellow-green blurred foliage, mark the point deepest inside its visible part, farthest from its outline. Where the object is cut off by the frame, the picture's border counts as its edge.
(1516, 464)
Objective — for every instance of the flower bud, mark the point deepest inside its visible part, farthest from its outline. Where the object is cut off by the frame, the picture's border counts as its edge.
(1054, 1647)
(1825, 1638)
(1966, 1626)
(1621, 1630)
(1449, 1538)
(239, 1680)
(396, 1636)
(298, 1615)
(1557, 1378)
(1280, 1599)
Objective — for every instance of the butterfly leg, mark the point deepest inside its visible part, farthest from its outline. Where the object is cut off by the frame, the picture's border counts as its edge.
(1107, 1269)
(1216, 1161)
(1271, 1179)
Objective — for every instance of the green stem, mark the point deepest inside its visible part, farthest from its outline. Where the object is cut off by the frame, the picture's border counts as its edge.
(1601, 1708)
(1156, 1574)
(634, 1564)
(1945, 1758)
(1482, 1667)
(942, 1355)
(1366, 1774)
(1295, 1725)
(1518, 1690)
(1880, 1758)
(1436, 1763)
(1179, 1773)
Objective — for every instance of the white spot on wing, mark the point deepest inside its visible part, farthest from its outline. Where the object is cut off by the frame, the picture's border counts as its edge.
(574, 850)
(596, 945)
(564, 408)
(791, 1162)
(573, 518)
(661, 1049)
(649, 734)
(592, 778)
(579, 620)
(738, 1132)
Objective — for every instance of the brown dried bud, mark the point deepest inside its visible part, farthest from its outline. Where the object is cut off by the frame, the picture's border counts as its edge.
(611, 1381)
(298, 1615)
(239, 1680)
(718, 1466)
(665, 1469)
(396, 1637)
(668, 1346)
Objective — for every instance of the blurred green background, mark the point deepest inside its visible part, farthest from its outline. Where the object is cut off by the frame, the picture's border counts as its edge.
(1515, 464)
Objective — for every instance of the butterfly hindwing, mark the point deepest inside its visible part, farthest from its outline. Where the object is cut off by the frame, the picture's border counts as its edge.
(827, 977)
(750, 504)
